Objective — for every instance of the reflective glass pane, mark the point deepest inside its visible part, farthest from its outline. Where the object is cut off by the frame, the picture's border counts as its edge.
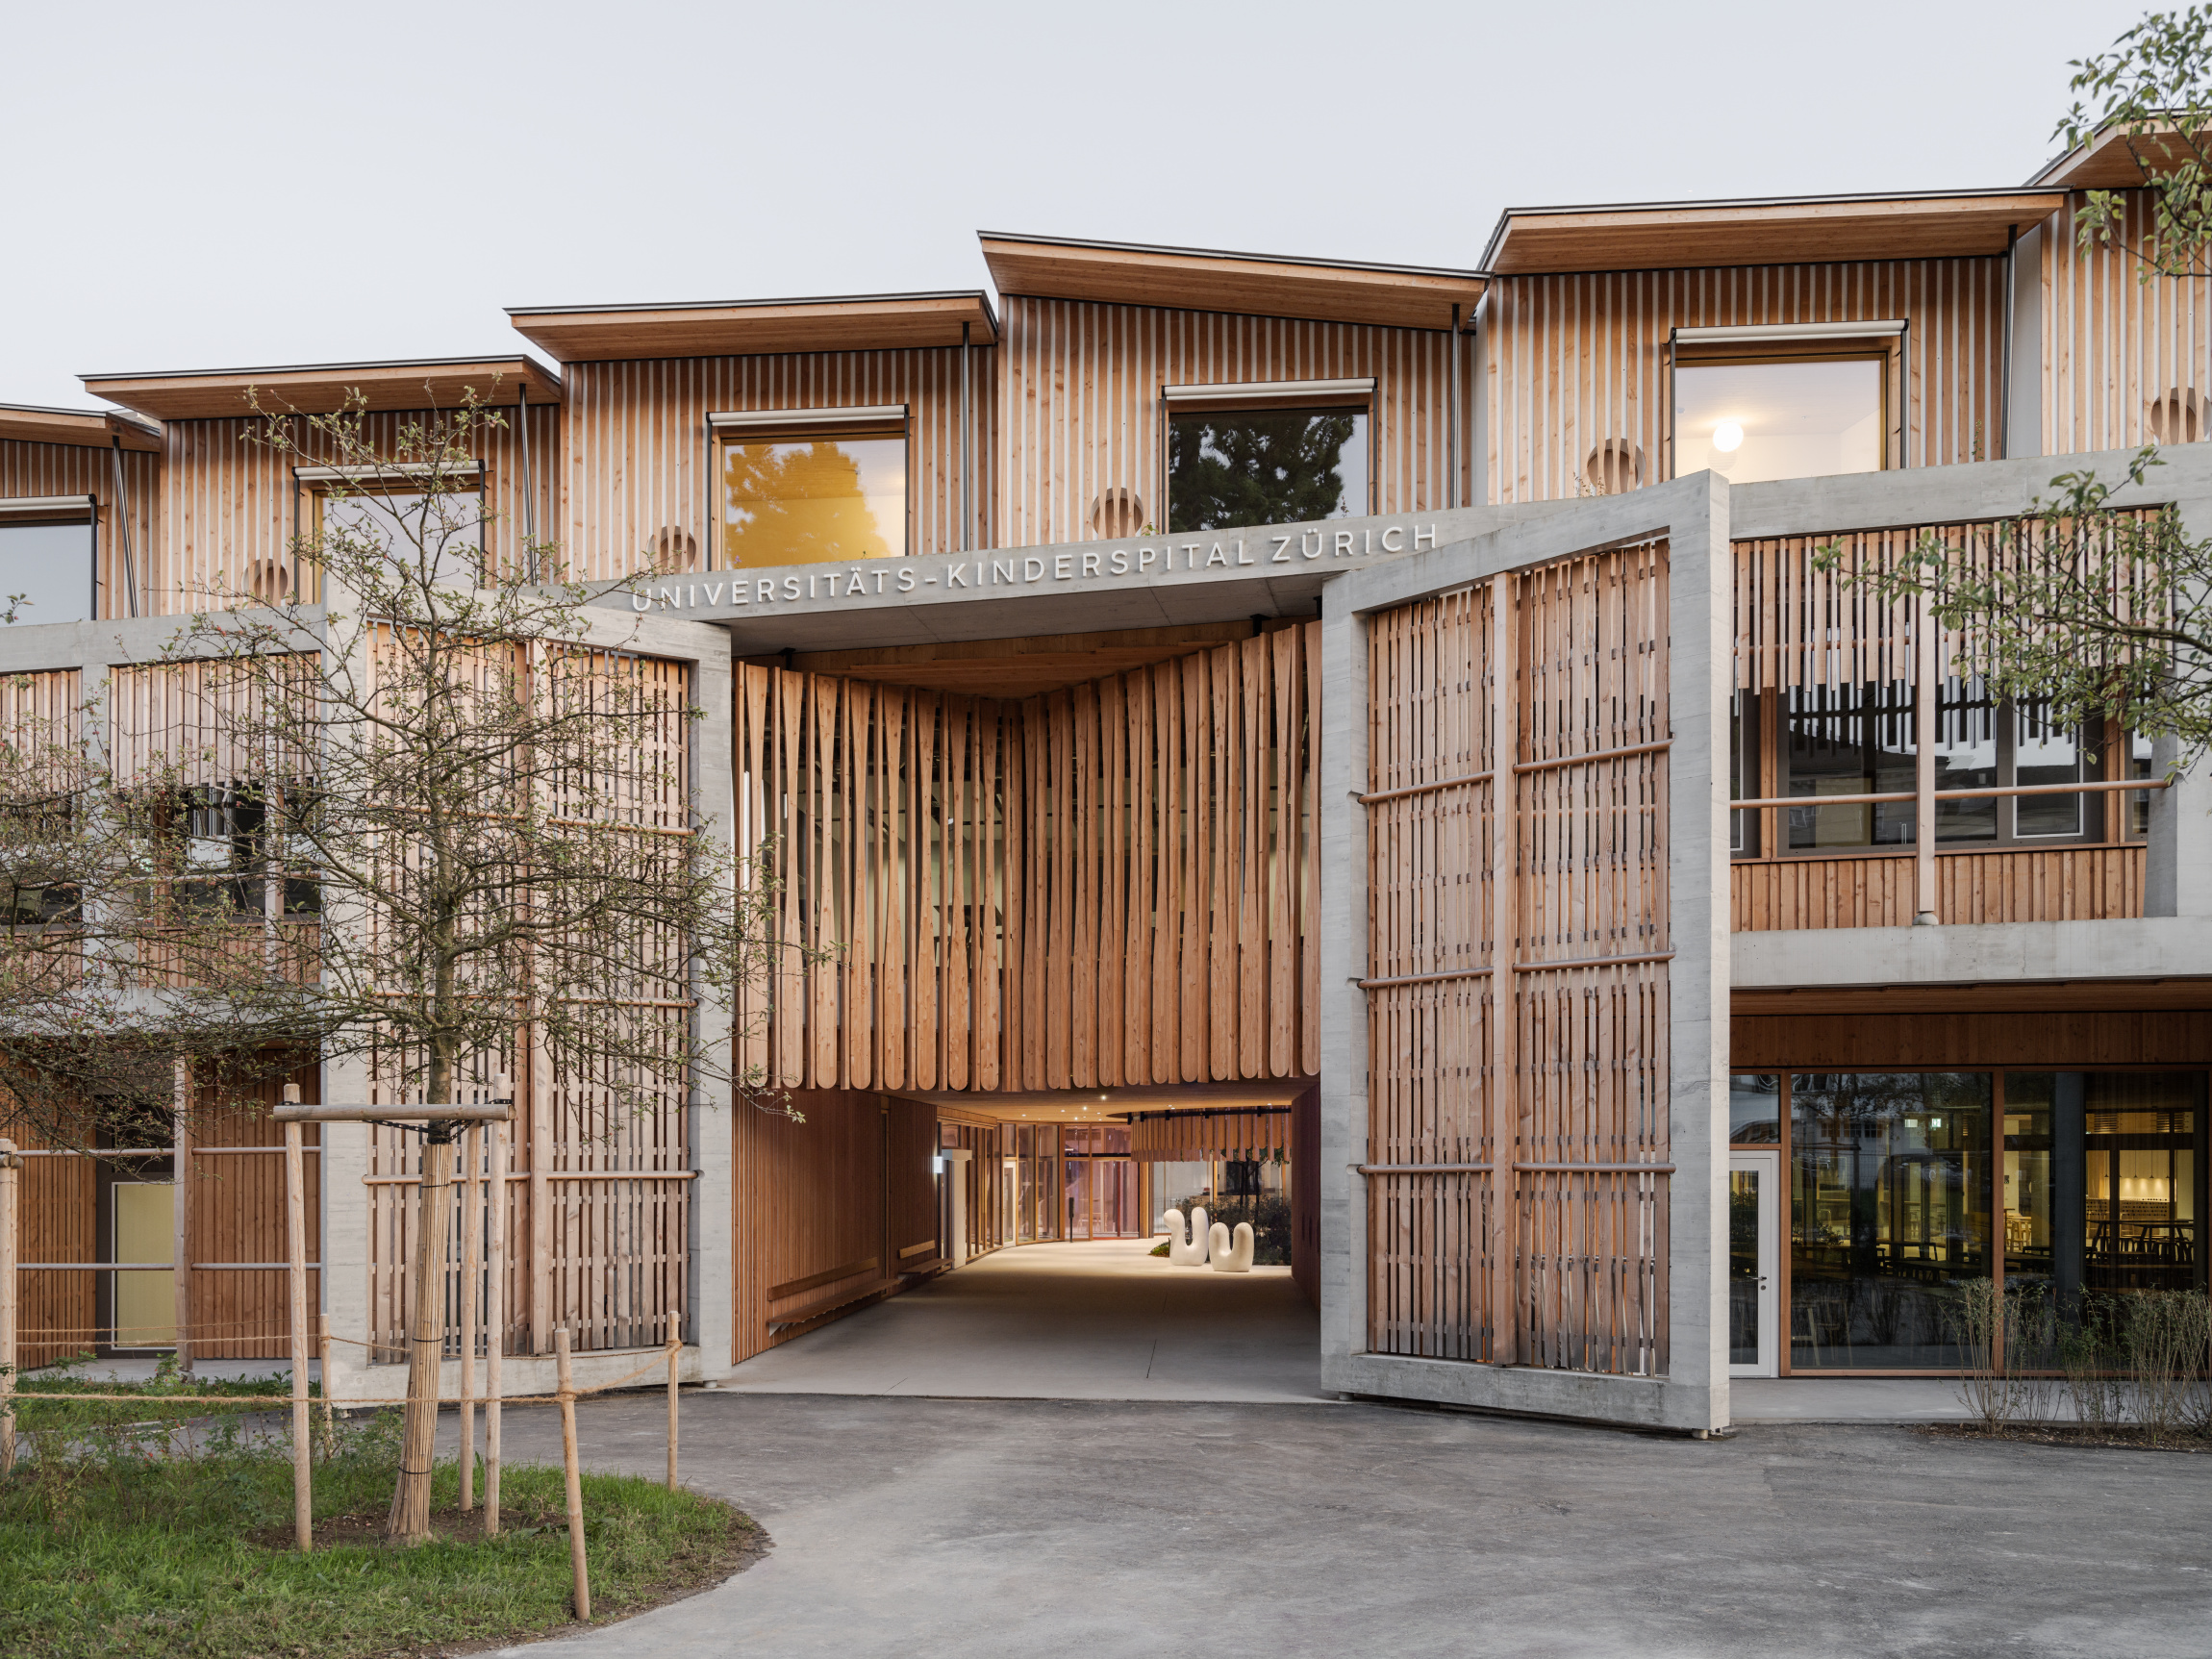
(1755, 1109)
(812, 501)
(46, 573)
(1848, 741)
(1890, 1194)
(2047, 753)
(440, 535)
(1965, 758)
(146, 1231)
(1755, 420)
(2101, 1181)
(1744, 1266)
(1232, 467)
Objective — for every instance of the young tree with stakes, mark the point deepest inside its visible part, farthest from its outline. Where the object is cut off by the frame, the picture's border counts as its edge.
(478, 802)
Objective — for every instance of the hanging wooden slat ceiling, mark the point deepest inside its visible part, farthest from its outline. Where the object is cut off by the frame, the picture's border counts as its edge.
(319, 388)
(1250, 285)
(754, 328)
(1658, 236)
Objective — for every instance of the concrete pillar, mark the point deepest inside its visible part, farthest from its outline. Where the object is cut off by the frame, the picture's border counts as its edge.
(2024, 408)
(2177, 865)
(711, 1235)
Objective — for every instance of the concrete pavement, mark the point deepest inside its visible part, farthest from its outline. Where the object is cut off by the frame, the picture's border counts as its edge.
(911, 1528)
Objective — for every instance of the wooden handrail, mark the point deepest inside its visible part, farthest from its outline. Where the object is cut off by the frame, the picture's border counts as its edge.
(2088, 786)
(1422, 1168)
(1400, 794)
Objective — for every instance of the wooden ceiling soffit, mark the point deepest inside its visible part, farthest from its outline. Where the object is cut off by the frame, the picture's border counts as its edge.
(2113, 161)
(756, 328)
(86, 428)
(320, 389)
(1252, 284)
(1693, 235)
(2001, 997)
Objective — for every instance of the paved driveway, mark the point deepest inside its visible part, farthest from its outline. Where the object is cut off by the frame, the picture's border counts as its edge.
(914, 1528)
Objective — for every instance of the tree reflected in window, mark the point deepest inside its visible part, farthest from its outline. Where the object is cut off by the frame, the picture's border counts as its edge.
(1229, 468)
(812, 501)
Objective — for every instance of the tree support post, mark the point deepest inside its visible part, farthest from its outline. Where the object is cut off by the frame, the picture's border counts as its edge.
(576, 1560)
(295, 1261)
(8, 1164)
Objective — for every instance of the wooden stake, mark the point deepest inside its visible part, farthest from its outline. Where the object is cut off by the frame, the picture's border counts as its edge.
(295, 1258)
(576, 1561)
(180, 1201)
(675, 1353)
(329, 1413)
(495, 1318)
(8, 1162)
(471, 1281)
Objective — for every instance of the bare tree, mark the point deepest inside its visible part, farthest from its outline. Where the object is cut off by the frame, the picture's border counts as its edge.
(474, 820)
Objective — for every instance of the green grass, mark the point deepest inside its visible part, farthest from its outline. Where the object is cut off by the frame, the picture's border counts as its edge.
(112, 1546)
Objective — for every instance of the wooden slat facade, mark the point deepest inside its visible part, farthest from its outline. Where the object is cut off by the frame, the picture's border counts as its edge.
(1518, 990)
(826, 1209)
(44, 470)
(2055, 884)
(2114, 346)
(1105, 885)
(229, 507)
(1964, 1037)
(640, 460)
(1575, 360)
(1081, 412)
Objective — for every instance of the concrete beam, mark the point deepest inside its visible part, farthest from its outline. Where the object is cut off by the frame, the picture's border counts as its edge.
(2166, 947)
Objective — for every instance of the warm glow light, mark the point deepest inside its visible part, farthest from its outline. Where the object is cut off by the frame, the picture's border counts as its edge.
(1727, 437)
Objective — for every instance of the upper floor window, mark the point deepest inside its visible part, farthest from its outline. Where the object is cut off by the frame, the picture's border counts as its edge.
(436, 534)
(1807, 401)
(46, 553)
(816, 487)
(1287, 453)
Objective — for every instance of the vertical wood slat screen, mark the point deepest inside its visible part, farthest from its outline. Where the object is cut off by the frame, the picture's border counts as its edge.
(1577, 360)
(640, 460)
(1108, 885)
(1260, 1132)
(229, 507)
(1548, 1251)
(30, 469)
(2115, 347)
(597, 1192)
(1081, 409)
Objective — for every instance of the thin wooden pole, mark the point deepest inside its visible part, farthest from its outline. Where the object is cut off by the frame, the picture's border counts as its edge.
(329, 1412)
(494, 1320)
(576, 1562)
(471, 1280)
(1505, 932)
(1924, 768)
(181, 1202)
(8, 1166)
(675, 1353)
(295, 1258)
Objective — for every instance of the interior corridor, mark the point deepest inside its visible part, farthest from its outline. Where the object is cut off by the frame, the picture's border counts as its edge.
(1095, 1320)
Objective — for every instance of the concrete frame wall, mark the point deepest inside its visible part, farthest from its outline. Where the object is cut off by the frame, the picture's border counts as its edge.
(95, 648)
(1691, 514)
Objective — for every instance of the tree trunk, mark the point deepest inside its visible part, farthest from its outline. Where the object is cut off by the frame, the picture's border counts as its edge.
(410, 1521)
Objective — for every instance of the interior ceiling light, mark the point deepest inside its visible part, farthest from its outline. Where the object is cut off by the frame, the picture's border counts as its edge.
(1727, 437)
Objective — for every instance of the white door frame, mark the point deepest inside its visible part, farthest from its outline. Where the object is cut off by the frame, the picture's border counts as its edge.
(1768, 1163)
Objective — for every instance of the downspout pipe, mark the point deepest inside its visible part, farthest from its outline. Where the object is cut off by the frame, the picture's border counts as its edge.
(529, 478)
(2004, 445)
(966, 440)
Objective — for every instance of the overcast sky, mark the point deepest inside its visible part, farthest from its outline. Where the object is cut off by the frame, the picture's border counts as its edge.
(213, 185)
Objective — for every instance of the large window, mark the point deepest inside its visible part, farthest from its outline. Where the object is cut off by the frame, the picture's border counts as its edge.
(1758, 419)
(1231, 467)
(46, 569)
(1834, 743)
(438, 536)
(794, 497)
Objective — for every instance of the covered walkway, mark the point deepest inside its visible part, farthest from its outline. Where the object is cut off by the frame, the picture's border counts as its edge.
(1101, 1320)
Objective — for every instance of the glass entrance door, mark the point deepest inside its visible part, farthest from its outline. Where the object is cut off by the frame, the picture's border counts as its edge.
(1755, 1261)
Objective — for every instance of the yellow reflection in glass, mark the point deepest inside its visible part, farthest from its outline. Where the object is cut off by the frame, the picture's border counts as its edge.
(813, 500)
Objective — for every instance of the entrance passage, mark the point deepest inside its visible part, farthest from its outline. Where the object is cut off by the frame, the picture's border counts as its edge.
(1092, 1320)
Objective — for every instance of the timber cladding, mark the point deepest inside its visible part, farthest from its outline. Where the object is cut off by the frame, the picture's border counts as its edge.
(43, 470)
(1872, 1040)
(1576, 359)
(1081, 411)
(639, 457)
(827, 1211)
(1109, 884)
(1519, 939)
